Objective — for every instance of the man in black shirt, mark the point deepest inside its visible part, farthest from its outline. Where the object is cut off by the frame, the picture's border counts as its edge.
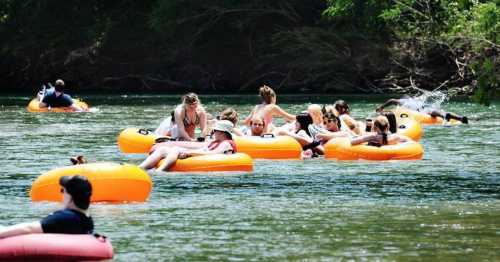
(55, 97)
(73, 219)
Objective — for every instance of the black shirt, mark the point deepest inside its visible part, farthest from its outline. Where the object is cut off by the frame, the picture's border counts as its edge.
(52, 100)
(67, 221)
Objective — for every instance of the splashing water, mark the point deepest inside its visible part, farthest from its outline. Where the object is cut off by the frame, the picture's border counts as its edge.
(426, 99)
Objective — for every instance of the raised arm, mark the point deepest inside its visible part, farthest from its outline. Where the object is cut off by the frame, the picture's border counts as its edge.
(21, 229)
(389, 102)
(277, 111)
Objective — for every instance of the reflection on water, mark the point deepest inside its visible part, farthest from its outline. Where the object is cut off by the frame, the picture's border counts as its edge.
(445, 207)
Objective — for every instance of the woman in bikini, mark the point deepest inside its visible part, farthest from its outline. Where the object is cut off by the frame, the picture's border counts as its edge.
(268, 109)
(189, 115)
(223, 143)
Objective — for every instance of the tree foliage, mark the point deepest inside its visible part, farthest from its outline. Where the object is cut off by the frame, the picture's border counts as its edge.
(319, 45)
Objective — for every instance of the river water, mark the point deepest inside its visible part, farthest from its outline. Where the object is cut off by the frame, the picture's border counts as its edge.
(445, 207)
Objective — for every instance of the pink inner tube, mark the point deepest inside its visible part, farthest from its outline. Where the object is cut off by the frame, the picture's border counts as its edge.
(60, 247)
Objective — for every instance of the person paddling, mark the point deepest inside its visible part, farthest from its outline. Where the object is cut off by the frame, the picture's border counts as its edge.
(55, 97)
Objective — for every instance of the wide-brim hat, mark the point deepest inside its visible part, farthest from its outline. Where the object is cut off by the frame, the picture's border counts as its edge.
(224, 126)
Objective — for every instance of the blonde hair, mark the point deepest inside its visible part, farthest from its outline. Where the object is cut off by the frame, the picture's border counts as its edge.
(190, 98)
(382, 124)
(266, 93)
(229, 114)
(314, 111)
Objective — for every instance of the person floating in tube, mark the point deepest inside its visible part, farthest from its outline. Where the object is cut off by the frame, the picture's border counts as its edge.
(419, 105)
(55, 97)
(73, 219)
(223, 144)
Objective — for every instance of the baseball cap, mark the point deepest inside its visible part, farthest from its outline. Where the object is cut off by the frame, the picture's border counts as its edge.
(79, 188)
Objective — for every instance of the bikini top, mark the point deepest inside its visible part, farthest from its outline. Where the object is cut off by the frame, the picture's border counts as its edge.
(187, 121)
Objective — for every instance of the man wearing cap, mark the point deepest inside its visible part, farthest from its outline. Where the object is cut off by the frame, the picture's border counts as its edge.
(55, 97)
(73, 219)
(223, 143)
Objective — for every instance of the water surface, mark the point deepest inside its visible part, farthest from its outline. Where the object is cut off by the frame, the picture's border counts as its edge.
(445, 207)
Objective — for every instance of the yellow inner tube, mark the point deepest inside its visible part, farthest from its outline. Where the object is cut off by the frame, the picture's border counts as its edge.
(134, 140)
(111, 182)
(341, 149)
(34, 108)
(410, 128)
(215, 162)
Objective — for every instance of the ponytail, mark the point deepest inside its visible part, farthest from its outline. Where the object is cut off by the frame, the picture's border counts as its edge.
(382, 124)
(384, 138)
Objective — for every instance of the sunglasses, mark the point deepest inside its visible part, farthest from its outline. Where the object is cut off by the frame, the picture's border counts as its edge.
(330, 120)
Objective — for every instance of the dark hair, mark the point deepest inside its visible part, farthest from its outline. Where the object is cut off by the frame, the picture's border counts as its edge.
(382, 124)
(172, 114)
(331, 115)
(342, 107)
(59, 85)
(391, 117)
(79, 188)
(304, 120)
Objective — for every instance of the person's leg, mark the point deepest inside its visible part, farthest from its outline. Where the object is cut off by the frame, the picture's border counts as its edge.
(170, 159)
(436, 113)
(154, 158)
(450, 115)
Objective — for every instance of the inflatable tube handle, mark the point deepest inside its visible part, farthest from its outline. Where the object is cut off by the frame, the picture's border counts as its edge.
(403, 115)
(101, 238)
(267, 136)
(163, 139)
(143, 131)
(402, 126)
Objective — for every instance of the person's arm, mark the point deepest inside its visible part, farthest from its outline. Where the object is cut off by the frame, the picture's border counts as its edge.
(361, 139)
(301, 136)
(42, 105)
(326, 136)
(351, 124)
(395, 139)
(180, 124)
(77, 108)
(203, 124)
(237, 131)
(223, 147)
(277, 111)
(21, 229)
(389, 102)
